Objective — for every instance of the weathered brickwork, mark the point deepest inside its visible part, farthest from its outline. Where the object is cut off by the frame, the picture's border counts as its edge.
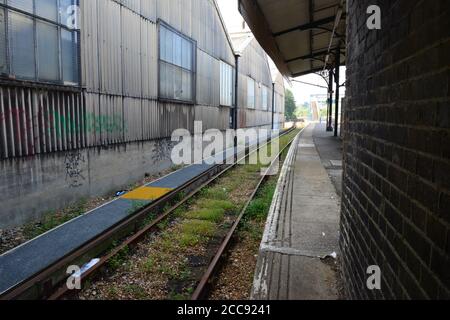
(396, 193)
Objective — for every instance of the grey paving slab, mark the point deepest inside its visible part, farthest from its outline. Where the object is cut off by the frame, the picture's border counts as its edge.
(302, 228)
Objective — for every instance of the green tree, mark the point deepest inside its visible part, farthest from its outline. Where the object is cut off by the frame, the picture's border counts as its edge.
(290, 106)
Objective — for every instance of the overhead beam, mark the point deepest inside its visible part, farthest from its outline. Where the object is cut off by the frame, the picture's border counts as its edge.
(299, 74)
(308, 26)
(308, 56)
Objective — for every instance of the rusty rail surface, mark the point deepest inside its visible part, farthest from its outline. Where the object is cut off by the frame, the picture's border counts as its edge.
(59, 290)
(202, 289)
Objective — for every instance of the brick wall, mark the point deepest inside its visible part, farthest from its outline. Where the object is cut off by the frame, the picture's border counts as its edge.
(396, 199)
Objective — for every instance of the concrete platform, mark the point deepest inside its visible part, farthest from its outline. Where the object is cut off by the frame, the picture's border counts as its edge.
(302, 228)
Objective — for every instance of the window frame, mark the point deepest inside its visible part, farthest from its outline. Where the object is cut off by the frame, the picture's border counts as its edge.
(233, 72)
(7, 8)
(264, 97)
(249, 78)
(193, 72)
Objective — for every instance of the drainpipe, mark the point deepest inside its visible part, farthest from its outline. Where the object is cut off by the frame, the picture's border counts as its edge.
(338, 65)
(273, 106)
(330, 103)
(236, 106)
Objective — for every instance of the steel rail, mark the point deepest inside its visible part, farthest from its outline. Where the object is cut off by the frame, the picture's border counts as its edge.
(44, 277)
(202, 287)
(63, 290)
(41, 277)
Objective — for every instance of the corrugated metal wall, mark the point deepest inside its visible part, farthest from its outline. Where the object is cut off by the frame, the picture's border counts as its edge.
(280, 99)
(118, 102)
(124, 63)
(34, 121)
(254, 64)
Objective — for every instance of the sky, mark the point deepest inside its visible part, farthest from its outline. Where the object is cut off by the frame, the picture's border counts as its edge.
(302, 92)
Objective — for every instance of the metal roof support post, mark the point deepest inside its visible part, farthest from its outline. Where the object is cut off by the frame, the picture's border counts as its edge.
(337, 75)
(273, 106)
(330, 102)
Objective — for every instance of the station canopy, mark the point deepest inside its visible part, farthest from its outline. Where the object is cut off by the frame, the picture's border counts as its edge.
(301, 36)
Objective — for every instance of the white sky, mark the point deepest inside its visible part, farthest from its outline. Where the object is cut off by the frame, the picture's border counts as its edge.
(302, 93)
(230, 13)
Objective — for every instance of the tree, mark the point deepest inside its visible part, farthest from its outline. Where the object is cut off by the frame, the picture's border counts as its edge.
(290, 106)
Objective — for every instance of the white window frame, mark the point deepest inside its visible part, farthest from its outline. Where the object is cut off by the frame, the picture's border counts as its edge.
(226, 84)
(265, 98)
(251, 96)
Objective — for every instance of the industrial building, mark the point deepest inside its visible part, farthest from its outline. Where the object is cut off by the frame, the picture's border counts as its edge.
(91, 91)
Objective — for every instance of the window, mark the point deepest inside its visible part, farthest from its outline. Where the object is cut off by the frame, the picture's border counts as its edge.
(250, 93)
(39, 40)
(264, 98)
(226, 84)
(3, 62)
(176, 65)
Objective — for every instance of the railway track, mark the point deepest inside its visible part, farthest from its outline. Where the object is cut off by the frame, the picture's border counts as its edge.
(207, 279)
(50, 282)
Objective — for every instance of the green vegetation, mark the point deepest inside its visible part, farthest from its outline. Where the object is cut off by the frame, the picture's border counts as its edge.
(196, 222)
(303, 111)
(215, 215)
(119, 259)
(290, 106)
(54, 219)
(216, 193)
(259, 207)
(136, 292)
(212, 204)
(198, 228)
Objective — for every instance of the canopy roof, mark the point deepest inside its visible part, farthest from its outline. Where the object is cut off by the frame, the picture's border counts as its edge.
(301, 36)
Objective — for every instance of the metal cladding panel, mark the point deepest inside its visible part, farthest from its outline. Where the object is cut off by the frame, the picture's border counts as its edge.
(279, 84)
(148, 9)
(110, 46)
(186, 18)
(34, 121)
(90, 45)
(131, 53)
(208, 31)
(208, 79)
(92, 102)
(213, 117)
(172, 117)
(242, 91)
(149, 59)
(134, 5)
(109, 123)
(256, 118)
(254, 63)
(132, 119)
(171, 12)
(150, 120)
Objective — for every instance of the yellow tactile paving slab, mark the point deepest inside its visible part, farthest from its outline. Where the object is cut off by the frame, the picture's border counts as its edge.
(146, 193)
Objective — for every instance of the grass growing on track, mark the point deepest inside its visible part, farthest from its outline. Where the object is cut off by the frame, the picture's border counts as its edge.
(164, 259)
(236, 278)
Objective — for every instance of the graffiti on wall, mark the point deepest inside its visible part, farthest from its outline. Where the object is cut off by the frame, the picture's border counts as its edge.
(21, 123)
(161, 150)
(74, 163)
